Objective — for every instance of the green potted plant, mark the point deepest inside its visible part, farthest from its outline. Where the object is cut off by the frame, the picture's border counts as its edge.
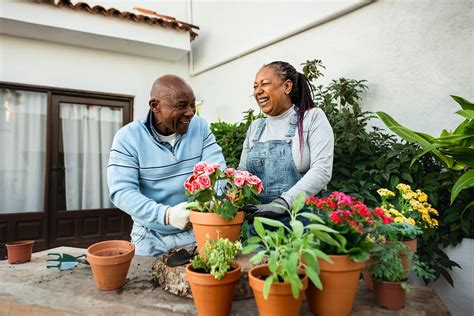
(216, 213)
(388, 271)
(355, 223)
(212, 276)
(279, 285)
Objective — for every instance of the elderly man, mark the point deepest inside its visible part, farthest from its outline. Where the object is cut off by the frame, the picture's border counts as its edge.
(151, 159)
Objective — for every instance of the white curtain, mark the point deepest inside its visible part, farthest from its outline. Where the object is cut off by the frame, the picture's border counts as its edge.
(23, 150)
(88, 131)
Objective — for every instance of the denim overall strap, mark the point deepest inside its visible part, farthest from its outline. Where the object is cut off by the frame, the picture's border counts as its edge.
(259, 131)
(272, 161)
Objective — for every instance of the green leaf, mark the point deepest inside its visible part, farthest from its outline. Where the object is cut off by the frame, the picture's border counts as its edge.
(258, 257)
(298, 202)
(270, 222)
(465, 104)
(464, 182)
(297, 227)
(314, 277)
(312, 217)
(266, 286)
(253, 240)
(250, 248)
(321, 228)
(325, 237)
(257, 224)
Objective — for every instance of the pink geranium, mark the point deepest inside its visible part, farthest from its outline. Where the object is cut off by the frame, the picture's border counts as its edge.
(240, 189)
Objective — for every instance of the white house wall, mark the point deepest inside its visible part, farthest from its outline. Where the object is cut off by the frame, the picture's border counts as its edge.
(414, 54)
(27, 61)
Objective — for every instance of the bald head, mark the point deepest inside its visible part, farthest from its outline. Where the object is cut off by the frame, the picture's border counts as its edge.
(168, 85)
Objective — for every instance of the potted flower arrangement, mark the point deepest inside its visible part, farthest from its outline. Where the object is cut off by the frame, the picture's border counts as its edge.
(279, 285)
(409, 207)
(215, 211)
(212, 276)
(355, 223)
(388, 271)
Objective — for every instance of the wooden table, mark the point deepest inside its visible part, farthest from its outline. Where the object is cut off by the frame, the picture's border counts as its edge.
(30, 288)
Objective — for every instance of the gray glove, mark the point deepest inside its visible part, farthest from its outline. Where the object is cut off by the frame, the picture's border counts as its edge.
(275, 209)
(177, 216)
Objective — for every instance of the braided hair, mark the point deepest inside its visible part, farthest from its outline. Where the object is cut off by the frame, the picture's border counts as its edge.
(301, 94)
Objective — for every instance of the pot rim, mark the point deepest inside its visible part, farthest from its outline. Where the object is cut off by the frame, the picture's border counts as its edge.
(388, 282)
(116, 258)
(202, 218)
(230, 276)
(19, 243)
(277, 287)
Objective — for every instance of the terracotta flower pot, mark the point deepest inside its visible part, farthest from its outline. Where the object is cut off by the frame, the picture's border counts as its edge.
(215, 226)
(340, 282)
(110, 261)
(411, 244)
(280, 300)
(19, 251)
(389, 295)
(213, 297)
(366, 273)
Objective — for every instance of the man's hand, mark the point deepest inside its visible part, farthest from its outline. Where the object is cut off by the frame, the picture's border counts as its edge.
(275, 209)
(177, 216)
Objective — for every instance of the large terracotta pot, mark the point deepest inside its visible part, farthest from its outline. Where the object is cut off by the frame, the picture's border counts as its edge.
(411, 244)
(280, 300)
(215, 226)
(110, 261)
(389, 295)
(340, 281)
(19, 251)
(213, 297)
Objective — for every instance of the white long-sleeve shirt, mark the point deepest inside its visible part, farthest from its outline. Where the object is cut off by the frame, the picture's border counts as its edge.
(315, 165)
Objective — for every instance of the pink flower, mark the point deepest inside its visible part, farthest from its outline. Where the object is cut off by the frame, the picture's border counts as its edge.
(259, 187)
(204, 181)
(215, 165)
(189, 187)
(239, 181)
(199, 167)
(229, 171)
(209, 169)
(253, 180)
(195, 185)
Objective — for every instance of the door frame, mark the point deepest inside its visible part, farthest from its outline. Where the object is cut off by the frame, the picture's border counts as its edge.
(42, 220)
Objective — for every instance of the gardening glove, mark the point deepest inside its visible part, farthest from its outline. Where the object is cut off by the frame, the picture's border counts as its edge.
(275, 209)
(178, 216)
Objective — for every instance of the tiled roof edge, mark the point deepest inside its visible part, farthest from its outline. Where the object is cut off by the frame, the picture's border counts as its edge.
(165, 23)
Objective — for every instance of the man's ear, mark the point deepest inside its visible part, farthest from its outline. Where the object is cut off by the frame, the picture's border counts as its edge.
(154, 105)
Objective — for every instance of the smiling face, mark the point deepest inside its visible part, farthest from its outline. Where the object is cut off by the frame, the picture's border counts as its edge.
(271, 92)
(173, 105)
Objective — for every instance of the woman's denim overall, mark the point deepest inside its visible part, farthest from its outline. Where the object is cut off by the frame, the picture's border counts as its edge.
(272, 161)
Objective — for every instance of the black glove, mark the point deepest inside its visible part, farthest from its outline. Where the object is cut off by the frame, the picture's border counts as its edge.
(277, 208)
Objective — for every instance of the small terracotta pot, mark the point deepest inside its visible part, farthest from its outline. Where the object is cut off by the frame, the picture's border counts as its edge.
(215, 226)
(411, 244)
(19, 251)
(366, 273)
(280, 300)
(340, 281)
(213, 297)
(110, 261)
(389, 295)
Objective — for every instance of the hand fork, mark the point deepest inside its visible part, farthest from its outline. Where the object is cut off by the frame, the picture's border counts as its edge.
(64, 261)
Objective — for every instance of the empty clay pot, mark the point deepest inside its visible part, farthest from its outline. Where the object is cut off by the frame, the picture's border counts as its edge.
(19, 251)
(110, 261)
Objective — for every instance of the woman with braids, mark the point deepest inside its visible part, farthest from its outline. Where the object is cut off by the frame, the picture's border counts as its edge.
(291, 149)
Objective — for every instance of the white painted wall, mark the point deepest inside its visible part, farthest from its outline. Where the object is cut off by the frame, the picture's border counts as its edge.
(413, 53)
(42, 63)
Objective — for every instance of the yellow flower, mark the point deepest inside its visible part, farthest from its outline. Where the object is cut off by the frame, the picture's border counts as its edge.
(411, 221)
(421, 196)
(385, 193)
(403, 187)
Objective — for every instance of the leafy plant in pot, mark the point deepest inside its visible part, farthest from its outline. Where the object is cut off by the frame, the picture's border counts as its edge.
(215, 198)
(212, 276)
(349, 250)
(278, 285)
(387, 269)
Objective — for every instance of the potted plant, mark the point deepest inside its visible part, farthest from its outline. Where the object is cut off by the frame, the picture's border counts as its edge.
(388, 271)
(212, 276)
(279, 285)
(110, 261)
(19, 251)
(355, 223)
(215, 211)
(410, 207)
